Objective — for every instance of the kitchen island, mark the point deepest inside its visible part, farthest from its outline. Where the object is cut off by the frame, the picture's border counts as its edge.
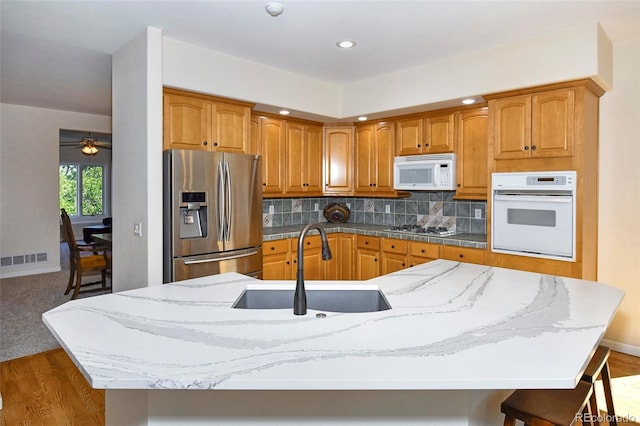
(458, 339)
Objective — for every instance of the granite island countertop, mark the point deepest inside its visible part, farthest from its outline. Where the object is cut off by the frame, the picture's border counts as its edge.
(452, 326)
(463, 239)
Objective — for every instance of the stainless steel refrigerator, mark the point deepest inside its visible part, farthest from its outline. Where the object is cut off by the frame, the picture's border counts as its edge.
(212, 214)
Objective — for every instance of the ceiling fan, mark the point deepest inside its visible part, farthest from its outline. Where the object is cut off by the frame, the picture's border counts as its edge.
(89, 145)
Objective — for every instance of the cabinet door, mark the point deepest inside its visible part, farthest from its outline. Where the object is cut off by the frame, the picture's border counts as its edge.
(392, 262)
(365, 158)
(230, 128)
(276, 261)
(384, 138)
(347, 254)
(187, 123)
(552, 132)
(255, 135)
(409, 139)
(367, 264)
(338, 161)
(313, 156)
(439, 132)
(273, 155)
(512, 127)
(294, 157)
(472, 154)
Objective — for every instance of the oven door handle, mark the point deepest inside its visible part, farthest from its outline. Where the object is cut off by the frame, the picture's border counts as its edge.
(535, 198)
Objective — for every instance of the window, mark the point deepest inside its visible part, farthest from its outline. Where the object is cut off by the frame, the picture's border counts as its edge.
(83, 189)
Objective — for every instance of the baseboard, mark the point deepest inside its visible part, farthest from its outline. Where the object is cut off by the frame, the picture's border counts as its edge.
(622, 347)
(25, 272)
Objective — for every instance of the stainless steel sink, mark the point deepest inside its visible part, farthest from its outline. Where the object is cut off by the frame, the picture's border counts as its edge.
(319, 300)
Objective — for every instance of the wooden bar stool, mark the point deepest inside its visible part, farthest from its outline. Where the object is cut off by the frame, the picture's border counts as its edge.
(547, 407)
(599, 366)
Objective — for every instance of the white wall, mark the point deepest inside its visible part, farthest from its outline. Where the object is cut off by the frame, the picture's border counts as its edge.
(29, 153)
(137, 161)
(619, 193)
(580, 52)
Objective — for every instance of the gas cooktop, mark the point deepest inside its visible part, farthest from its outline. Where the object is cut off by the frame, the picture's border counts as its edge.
(441, 231)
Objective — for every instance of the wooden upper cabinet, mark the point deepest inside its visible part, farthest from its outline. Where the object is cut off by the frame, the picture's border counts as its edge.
(472, 145)
(187, 123)
(439, 132)
(534, 126)
(230, 128)
(409, 140)
(303, 158)
(338, 160)
(553, 117)
(195, 121)
(431, 134)
(374, 152)
(271, 146)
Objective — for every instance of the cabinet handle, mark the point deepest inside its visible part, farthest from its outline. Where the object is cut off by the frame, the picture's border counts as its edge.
(273, 248)
(215, 144)
(426, 145)
(403, 264)
(422, 251)
(374, 184)
(533, 147)
(458, 185)
(419, 145)
(288, 263)
(366, 242)
(205, 143)
(392, 246)
(461, 255)
(375, 260)
(526, 148)
(308, 243)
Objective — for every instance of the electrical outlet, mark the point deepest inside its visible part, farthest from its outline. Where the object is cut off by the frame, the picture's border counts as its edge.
(315, 206)
(478, 213)
(348, 205)
(137, 229)
(387, 208)
(271, 209)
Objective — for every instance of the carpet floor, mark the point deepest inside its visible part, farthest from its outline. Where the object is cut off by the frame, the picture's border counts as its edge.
(23, 300)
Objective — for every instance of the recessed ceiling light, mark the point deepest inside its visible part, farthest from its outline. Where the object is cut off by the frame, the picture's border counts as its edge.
(362, 118)
(468, 101)
(284, 112)
(346, 44)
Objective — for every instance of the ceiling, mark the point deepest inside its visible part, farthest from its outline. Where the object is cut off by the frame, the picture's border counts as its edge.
(57, 54)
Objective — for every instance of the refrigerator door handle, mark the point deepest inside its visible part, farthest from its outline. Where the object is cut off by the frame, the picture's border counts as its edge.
(220, 259)
(220, 205)
(228, 202)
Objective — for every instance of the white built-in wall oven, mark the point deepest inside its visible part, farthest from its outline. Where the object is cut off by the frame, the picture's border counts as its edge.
(534, 214)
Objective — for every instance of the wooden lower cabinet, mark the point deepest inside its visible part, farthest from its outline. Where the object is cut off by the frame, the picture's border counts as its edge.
(463, 254)
(393, 254)
(276, 260)
(367, 257)
(356, 257)
(341, 265)
(420, 252)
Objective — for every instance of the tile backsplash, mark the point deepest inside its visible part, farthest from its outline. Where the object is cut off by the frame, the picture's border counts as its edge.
(436, 208)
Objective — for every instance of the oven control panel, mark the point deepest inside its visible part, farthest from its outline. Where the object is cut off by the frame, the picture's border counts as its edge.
(565, 180)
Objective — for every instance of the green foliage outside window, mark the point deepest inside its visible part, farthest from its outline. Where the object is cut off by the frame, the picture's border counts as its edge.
(69, 188)
(90, 179)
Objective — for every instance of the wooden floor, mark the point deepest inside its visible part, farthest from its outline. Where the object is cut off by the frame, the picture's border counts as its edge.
(47, 389)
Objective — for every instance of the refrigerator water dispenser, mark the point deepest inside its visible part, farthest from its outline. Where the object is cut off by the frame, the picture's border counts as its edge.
(193, 215)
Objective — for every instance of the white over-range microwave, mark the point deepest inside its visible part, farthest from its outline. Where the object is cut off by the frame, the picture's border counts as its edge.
(429, 172)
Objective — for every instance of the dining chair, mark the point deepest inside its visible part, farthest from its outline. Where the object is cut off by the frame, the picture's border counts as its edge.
(84, 258)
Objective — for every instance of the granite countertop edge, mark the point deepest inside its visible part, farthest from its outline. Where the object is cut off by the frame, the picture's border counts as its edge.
(471, 240)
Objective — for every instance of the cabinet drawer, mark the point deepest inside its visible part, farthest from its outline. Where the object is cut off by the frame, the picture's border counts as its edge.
(463, 254)
(428, 250)
(275, 247)
(390, 245)
(310, 242)
(367, 242)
